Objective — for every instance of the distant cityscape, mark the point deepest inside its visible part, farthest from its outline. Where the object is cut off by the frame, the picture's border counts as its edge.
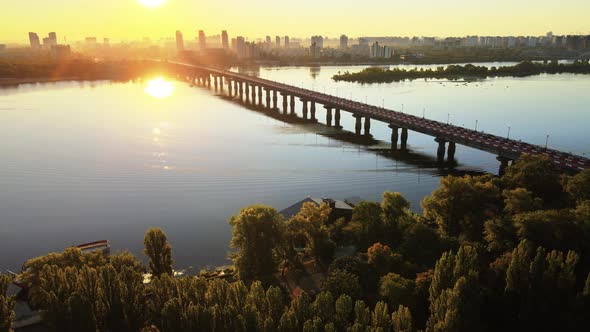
(314, 47)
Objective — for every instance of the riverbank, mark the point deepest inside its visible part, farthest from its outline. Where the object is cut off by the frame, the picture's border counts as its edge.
(456, 72)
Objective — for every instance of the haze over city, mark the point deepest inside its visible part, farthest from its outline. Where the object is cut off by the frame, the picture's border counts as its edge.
(132, 19)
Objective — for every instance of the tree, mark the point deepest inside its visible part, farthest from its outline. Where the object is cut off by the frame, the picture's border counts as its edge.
(343, 309)
(401, 319)
(380, 319)
(159, 251)
(395, 209)
(341, 282)
(379, 255)
(520, 200)
(396, 290)
(538, 175)
(257, 235)
(367, 215)
(457, 308)
(423, 245)
(6, 305)
(500, 234)
(323, 307)
(578, 187)
(461, 205)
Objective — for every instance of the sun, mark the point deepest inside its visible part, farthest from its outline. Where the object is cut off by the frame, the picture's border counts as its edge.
(159, 88)
(152, 3)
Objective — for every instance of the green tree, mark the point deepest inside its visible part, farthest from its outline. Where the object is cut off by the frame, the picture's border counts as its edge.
(310, 223)
(578, 187)
(159, 251)
(344, 306)
(520, 200)
(380, 319)
(367, 215)
(323, 307)
(461, 205)
(538, 175)
(7, 304)
(401, 319)
(396, 290)
(500, 234)
(341, 282)
(257, 235)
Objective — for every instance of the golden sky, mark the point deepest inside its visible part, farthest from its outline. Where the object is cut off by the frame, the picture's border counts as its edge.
(130, 20)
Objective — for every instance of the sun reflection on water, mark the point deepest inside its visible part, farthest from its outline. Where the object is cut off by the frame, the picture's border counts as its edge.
(159, 88)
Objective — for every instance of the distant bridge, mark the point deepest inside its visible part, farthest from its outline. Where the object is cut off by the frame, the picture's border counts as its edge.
(583, 56)
(250, 87)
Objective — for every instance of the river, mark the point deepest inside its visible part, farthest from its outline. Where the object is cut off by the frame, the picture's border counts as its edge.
(87, 161)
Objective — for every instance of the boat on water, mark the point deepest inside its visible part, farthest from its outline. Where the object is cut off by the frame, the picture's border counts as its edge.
(96, 246)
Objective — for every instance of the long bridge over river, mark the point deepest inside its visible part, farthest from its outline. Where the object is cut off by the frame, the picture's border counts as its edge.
(253, 89)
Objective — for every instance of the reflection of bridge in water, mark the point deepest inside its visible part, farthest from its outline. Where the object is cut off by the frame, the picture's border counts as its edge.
(250, 90)
(407, 156)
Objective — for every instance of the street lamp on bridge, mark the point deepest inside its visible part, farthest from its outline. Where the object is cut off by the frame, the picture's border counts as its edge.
(508, 136)
(546, 141)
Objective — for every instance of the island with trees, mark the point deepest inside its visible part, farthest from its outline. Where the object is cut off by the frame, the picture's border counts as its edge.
(488, 253)
(461, 72)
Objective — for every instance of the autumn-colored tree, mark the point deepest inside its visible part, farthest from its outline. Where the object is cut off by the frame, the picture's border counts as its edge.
(520, 200)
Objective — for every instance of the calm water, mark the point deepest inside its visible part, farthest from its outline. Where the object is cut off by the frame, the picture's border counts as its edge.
(82, 162)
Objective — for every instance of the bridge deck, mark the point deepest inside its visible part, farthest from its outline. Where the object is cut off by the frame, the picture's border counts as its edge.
(500, 146)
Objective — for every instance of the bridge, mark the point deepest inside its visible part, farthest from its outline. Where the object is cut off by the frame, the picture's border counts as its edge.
(446, 135)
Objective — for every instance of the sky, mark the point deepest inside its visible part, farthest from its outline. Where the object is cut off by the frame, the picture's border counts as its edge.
(131, 20)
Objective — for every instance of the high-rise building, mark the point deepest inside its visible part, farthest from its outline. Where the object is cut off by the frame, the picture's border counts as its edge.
(34, 40)
(318, 41)
(277, 42)
(343, 42)
(286, 42)
(53, 38)
(224, 39)
(376, 51)
(241, 47)
(179, 41)
(314, 50)
(202, 40)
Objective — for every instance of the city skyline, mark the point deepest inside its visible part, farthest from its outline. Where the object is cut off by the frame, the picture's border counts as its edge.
(130, 20)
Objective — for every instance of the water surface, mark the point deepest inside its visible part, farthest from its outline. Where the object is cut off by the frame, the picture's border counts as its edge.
(88, 161)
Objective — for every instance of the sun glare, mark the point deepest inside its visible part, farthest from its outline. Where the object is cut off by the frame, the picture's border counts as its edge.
(152, 3)
(159, 88)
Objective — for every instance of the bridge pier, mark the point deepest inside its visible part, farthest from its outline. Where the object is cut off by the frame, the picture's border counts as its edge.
(337, 119)
(230, 88)
(367, 126)
(404, 139)
(259, 95)
(440, 152)
(285, 97)
(292, 105)
(504, 163)
(451, 151)
(241, 91)
(304, 108)
(274, 99)
(358, 124)
(268, 92)
(216, 82)
(247, 92)
(394, 136)
(328, 115)
(312, 110)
